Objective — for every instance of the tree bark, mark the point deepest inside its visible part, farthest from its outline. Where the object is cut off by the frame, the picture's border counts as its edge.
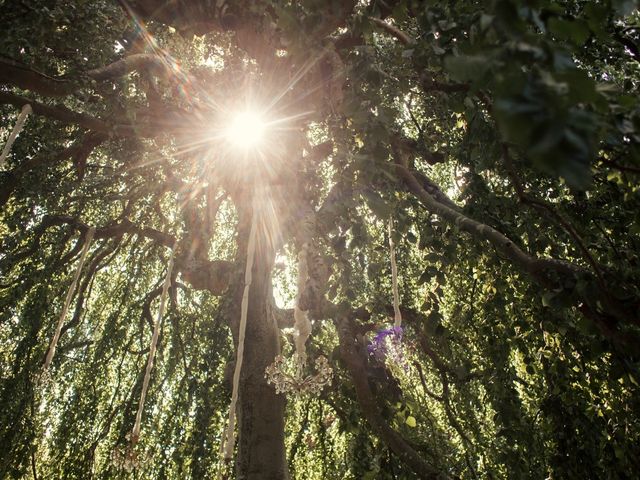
(260, 448)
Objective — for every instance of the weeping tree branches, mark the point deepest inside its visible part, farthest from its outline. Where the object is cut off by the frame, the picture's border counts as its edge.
(353, 354)
(532, 265)
(210, 275)
(65, 116)
(546, 271)
(78, 152)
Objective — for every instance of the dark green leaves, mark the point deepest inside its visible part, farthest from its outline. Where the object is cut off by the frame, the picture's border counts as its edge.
(554, 133)
(467, 68)
(574, 31)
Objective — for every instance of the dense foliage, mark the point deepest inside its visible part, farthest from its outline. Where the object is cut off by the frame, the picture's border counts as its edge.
(502, 138)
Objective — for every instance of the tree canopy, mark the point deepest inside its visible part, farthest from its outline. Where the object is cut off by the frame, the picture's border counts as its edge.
(496, 146)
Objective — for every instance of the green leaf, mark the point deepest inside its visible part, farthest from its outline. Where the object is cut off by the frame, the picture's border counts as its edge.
(466, 68)
(574, 31)
(411, 421)
(547, 299)
(377, 205)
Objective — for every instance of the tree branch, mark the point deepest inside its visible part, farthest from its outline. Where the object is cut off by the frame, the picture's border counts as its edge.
(549, 210)
(532, 265)
(393, 31)
(149, 62)
(66, 116)
(211, 275)
(22, 76)
(351, 353)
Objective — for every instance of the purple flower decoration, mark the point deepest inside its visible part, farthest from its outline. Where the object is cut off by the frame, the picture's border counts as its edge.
(387, 344)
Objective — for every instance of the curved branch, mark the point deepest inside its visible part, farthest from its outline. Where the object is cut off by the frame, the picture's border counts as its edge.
(92, 269)
(22, 76)
(537, 267)
(545, 207)
(393, 31)
(137, 62)
(353, 358)
(211, 275)
(532, 265)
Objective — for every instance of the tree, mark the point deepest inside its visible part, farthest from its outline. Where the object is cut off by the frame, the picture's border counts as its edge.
(501, 138)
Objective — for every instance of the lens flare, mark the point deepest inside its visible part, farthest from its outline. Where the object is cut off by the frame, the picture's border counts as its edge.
(246, 130)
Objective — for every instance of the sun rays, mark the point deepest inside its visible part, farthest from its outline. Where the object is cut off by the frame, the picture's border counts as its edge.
(244, 121)
(246, 130)
(240, 131)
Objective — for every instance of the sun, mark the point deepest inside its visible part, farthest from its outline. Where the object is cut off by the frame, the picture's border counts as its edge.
(246, 130)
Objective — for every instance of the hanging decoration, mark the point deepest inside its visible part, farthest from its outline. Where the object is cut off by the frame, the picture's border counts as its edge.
(292, 380)
(397, 315)
(130, 458)
(22, 118)
(229, 437)
(388, 342)
(67, 301)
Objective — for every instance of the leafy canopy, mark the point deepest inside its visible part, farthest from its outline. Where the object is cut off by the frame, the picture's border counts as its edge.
(501, 137)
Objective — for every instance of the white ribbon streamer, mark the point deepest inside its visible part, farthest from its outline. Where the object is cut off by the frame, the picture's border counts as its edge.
(22, 118)
(302, 323)
(394, 278)
(229, 435)
(135, 433)
(67, 301)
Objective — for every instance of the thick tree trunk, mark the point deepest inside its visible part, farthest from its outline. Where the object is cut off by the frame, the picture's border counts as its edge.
(261, 450)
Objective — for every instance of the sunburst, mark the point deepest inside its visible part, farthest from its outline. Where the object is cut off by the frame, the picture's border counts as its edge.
(247, 130)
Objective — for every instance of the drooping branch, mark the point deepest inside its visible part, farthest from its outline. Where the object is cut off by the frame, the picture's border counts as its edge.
(211, 275)
(79, 152)
(22, 76)
(352, 354)
(125, 226)
(538, 267)
(137, 62)
(64, 115)
(95, 266)
(429, 85)
(540, 205)
(155, 123)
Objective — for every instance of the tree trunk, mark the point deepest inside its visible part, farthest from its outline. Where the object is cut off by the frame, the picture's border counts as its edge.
(261, 450)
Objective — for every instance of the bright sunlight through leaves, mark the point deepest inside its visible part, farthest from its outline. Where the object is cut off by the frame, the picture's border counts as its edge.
(247, 130)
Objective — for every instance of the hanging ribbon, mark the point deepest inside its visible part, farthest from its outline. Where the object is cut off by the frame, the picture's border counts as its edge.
(67, 301)
(135, 433)
(22, 118)
(388, 342)
(394, 279)
(228, 441)
(302, 324)
(130, 458)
